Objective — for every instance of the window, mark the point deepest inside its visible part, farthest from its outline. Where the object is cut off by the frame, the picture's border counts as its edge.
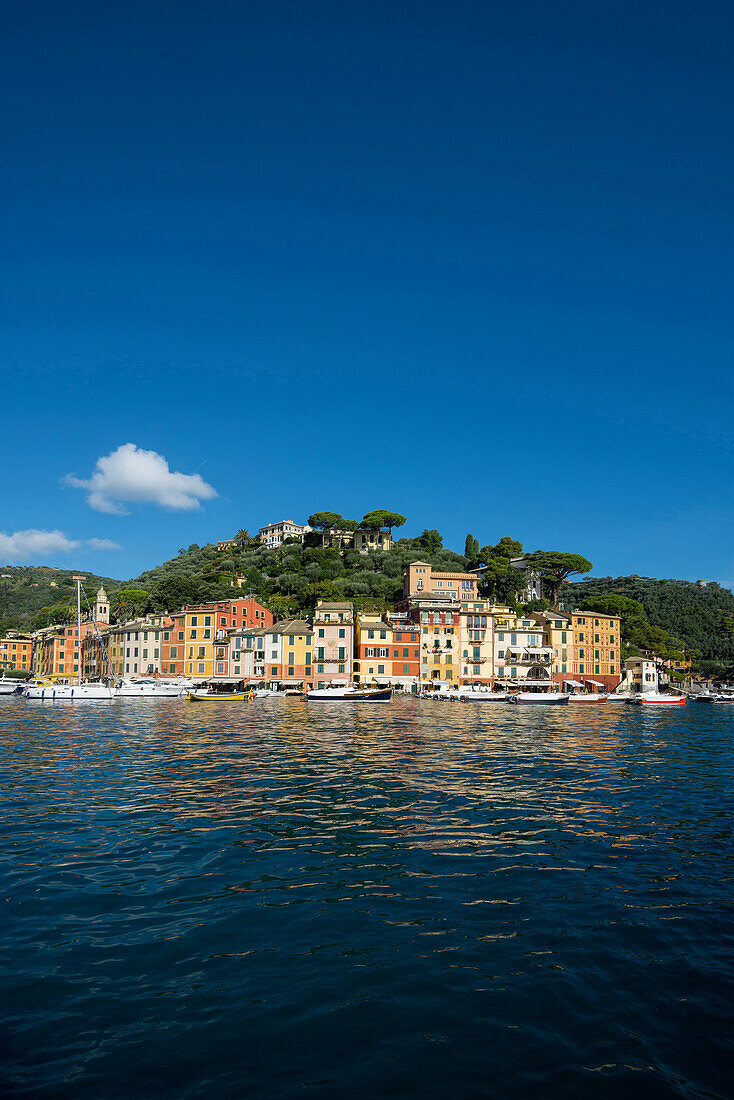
(406, 668)
(193, 634)
(341, 668)
(383, 652)
(222, 620)
(320, 668)
(581, 668)
(596, 637)
(370, 651)
(194, 620)
(405, 653)
(500, 637)
(207, 620)
(370, 633)
(201, 667)
(383, 634)
(342, 652)
(342, 632)
(381, 669)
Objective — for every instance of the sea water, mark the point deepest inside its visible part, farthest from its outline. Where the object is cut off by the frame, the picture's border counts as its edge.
(420, 899)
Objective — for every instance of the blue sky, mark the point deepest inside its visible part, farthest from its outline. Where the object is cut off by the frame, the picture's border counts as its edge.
(468, 261)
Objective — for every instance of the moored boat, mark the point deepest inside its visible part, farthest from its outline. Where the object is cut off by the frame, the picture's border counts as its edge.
(216, 696)
(541, 698)
(149, 689)
(11, 687)
(58, 693)
(346, 693)
(657, 699)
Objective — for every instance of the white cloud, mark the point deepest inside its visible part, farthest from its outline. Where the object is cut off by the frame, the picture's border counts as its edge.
(102, 544)
(24, 545)
(131, 474)
(33, 543)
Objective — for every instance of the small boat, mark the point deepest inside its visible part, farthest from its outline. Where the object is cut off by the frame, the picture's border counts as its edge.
(11, 687)
(474, 696)
(216, 696)
(723, 698)
(342, 693)
(587, 697)
(657, 699)
(619, 697)
(541, 698)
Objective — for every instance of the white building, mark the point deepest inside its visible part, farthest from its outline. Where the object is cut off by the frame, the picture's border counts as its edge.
(142, 646)
(520, 652)
(275, 534)
(641, 674)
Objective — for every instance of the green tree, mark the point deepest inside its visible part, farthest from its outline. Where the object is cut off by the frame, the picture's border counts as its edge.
(328, 521)
(613, 605)
(471, 549)
(555, 567)
(129, 602)
(430, 541)
(382, 518)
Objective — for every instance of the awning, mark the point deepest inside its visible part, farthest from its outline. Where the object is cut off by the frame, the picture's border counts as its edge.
(573, 683)
(596, 683)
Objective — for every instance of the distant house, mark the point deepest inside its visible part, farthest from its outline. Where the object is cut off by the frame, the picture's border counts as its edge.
(363, 539)
(274, 535)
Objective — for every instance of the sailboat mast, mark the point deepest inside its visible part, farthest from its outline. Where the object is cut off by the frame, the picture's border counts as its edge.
(79, 628)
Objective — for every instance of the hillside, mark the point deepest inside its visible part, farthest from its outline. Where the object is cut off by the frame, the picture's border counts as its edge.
(293, 577)
(27, 589)
(703, 618)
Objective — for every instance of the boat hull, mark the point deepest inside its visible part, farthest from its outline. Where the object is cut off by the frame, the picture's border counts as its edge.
(9, 688)
(484, 697)
(324, 695)
(534, 698)
(216, 696)
(588, 698)
(59, 693)
(659, 701)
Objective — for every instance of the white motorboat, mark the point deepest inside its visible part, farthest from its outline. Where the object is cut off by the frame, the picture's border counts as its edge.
(57, 693)
(11, 687)
(540, 698)
(657, 699)
(149, 689)
(476, 695)
(587, 697)
(349, 693)
(619, 697)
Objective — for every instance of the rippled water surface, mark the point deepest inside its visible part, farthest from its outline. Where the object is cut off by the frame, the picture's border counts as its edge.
(421, 899)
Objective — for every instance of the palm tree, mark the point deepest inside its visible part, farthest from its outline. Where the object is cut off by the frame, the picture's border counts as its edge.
(243, 538)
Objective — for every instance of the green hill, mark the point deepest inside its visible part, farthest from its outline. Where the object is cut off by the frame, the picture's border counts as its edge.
(703, 618)
(26, 589)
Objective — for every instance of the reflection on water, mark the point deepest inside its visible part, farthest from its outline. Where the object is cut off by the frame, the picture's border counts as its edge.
(416, 899)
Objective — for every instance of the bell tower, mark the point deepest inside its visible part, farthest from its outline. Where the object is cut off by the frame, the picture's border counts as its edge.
(101, 610)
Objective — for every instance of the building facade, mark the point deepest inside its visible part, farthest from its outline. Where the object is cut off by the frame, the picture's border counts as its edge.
(597, 643)
(16, 652)
(386, 649)
(333, 626)
(275, 534)
(421, 579)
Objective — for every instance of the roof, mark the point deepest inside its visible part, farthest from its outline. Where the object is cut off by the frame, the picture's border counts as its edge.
(326, 606)
(290, 626)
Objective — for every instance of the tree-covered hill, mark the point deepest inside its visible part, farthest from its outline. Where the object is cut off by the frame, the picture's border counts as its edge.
(27, 589)
(703, 618)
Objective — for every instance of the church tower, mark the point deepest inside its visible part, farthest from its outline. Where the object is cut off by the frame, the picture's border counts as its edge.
(101, 610)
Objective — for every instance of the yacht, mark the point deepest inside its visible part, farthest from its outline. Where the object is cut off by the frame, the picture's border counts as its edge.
(150, 689)
(657, 699)
(349, 693)
(11, 687)
(541, 698)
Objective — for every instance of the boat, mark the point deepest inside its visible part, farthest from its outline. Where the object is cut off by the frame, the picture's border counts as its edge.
(541, 698)
(350, 693)
(619, 697)
(11, 687)
(149, 689)
(55, 692)
(587, 697)
(474, 695)
(723, 698)
(216, 696)
(657, 699)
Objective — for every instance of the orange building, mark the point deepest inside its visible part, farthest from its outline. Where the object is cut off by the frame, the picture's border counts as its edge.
(386, 649)
(16, 652)
(421, 579)
(596, 645)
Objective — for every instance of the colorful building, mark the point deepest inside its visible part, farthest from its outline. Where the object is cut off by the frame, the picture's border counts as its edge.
(16, 652)
(279, 656)
(210, 623)
(386, 649)
(333, 627)
(420, 579)
(274, 535)
(597, 642)
(476, 642)
(173, 642)
(520, 650)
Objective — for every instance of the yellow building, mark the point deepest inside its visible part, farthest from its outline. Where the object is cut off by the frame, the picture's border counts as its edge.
(16, 652)
(596, 641)
(199, 630)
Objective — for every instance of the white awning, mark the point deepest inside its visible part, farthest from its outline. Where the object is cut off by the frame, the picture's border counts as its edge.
(596, 683)
(573, 683)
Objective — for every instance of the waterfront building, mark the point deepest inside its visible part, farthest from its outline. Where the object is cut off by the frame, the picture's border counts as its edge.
(558, 635)
(386, 649)
(142, 643)
(16, 652)
(642, 673)
(274, 535)
(212, 622)
(421, 579)
(173, 646)
(597, 642)
(520, 650)
(437, 619)
(56, 652)
(279, 655)
(476, 641)
(333, 626)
